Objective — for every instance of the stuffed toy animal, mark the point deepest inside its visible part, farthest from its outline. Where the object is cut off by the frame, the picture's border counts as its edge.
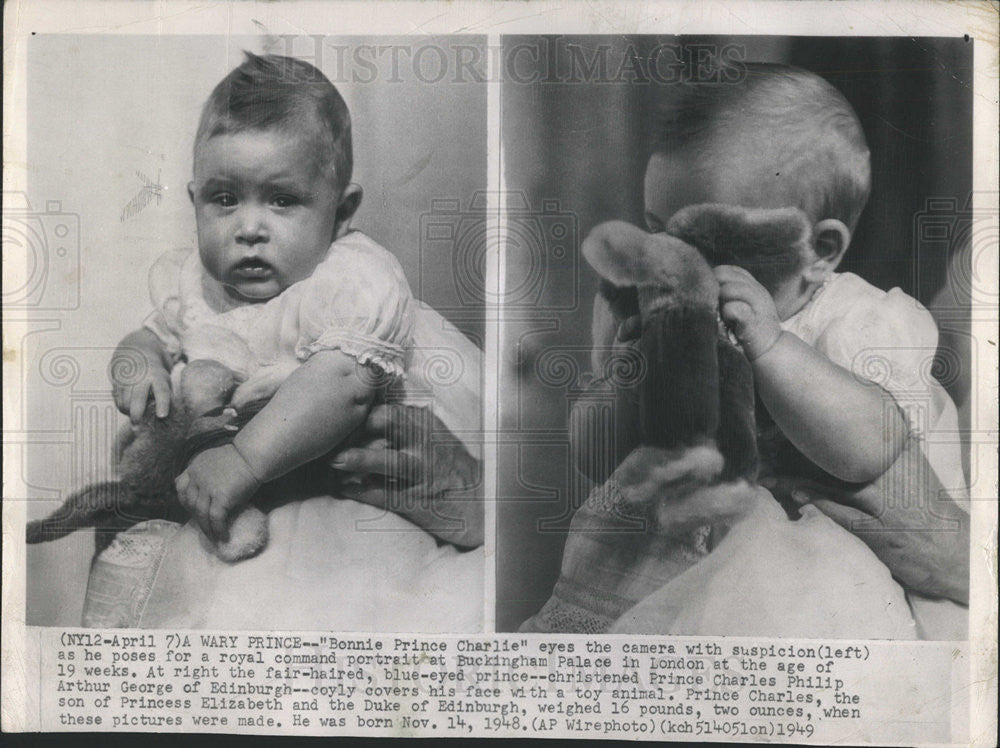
(697, 387)
(684, 459)
(154, 454)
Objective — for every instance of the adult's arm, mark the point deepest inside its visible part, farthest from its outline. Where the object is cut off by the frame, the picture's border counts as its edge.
(411, 464)
(906, 517)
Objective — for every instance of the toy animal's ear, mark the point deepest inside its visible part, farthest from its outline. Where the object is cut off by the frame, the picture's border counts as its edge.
(734, 235)
(628, 256)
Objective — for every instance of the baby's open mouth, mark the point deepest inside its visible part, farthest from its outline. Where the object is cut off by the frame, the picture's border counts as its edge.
(251, 269)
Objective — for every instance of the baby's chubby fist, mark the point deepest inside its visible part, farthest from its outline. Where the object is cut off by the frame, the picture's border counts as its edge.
(216, 484)
(748, 310)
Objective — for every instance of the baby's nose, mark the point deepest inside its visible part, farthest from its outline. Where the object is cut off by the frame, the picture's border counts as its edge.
(252, 227)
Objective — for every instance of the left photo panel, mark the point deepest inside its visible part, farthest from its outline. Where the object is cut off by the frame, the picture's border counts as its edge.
(249, 276)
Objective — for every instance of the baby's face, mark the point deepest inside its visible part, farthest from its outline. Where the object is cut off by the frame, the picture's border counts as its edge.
(674, 181)
(265, 208)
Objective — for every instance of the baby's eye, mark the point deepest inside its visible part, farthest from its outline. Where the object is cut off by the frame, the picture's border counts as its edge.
(284, 201)
(224, 199)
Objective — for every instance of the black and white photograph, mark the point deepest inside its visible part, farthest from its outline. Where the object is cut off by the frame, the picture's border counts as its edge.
(251, 391)
(742, 401)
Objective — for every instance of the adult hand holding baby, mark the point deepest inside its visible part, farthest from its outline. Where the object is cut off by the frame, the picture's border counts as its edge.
(906, 517)
(408, 466)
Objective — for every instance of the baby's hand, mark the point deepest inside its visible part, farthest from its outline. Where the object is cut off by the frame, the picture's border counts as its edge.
(216, 483)
(131, 394)
(748, 310)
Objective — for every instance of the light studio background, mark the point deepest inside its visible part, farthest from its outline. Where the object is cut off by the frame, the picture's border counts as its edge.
(111, 123)
(574, 157)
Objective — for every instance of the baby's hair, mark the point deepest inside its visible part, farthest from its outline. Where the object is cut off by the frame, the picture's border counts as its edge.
(794, 118)
(267, 92)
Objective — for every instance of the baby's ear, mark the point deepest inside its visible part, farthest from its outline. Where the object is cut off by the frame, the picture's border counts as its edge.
(350, 201)
(830, 241)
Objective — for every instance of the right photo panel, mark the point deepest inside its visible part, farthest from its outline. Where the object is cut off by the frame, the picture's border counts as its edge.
(736, 349)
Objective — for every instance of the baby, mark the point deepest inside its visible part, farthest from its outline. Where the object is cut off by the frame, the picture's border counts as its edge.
(837, 363)
(839, 367)
(314, 319)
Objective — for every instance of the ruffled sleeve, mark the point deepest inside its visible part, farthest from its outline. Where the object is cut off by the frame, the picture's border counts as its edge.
(165, 293)
(358, 301)
(888, 339)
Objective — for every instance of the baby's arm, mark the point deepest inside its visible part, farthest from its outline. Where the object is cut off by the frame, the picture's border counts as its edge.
(133, 380)
(848, 427)
(315, 409)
